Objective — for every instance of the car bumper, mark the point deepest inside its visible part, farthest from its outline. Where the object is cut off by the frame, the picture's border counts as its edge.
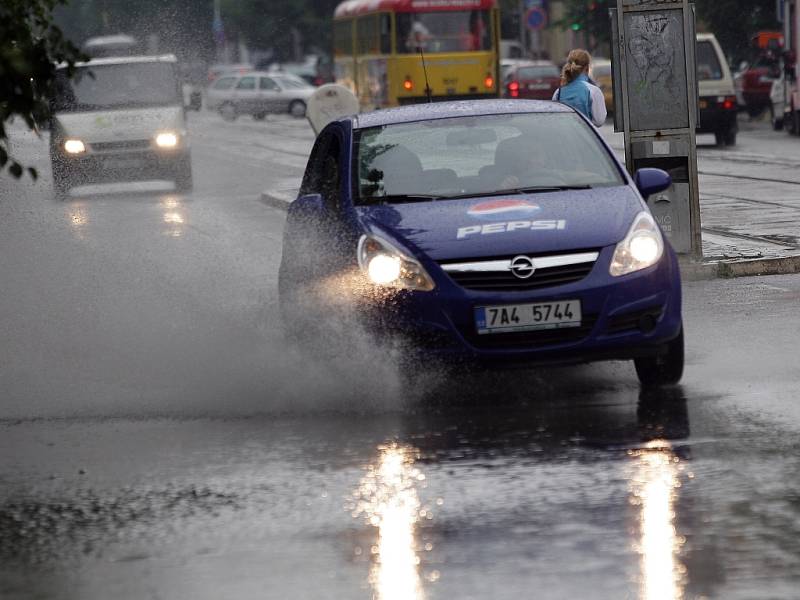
(120, 166)
(623, 318)
(715, 119)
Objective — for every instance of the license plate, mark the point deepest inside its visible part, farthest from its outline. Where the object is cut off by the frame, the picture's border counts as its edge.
(123, 163)
(539, 86)
(703, 104)
(528, 317)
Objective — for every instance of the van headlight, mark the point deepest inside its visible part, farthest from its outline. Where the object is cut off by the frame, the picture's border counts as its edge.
(385, 265)
(167, 139)
(74, 147)
(642, 247)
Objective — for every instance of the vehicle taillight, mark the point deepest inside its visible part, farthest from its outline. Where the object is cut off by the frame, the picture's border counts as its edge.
(408, 85)
(489, 81)
(729, 103)
(513, 89)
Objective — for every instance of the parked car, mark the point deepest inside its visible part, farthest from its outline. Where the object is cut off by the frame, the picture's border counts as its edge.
(314, 69)
(258, 93)
(534, 80)
(718, 105)
(754, 83)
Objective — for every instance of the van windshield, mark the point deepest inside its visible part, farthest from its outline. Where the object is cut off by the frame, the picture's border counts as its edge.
(124, 85)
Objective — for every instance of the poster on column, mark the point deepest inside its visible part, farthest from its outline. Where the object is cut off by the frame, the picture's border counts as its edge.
(656, 65)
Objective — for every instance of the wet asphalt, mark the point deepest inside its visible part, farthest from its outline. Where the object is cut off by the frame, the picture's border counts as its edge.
(159, 439)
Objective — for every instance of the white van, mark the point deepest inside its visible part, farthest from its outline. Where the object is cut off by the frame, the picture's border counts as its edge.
(718, 105)
(120, 119)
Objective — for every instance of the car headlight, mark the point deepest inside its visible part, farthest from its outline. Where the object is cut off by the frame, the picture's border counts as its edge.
(385, 265)
(642, 247)
(74, 147)
(167, 139)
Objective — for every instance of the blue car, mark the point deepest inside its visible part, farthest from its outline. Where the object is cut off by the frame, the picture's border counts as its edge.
(495, 233)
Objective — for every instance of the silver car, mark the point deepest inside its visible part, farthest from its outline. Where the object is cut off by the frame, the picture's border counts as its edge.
(258, 93)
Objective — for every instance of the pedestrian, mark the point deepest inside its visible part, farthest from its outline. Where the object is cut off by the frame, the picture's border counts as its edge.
(578, 91)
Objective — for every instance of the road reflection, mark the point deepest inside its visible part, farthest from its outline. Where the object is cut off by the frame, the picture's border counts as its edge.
(387, 498)
(174, 216)
(654, 489)
(77, 218)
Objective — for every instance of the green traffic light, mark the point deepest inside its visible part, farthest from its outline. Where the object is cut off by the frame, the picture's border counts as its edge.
(575, 27)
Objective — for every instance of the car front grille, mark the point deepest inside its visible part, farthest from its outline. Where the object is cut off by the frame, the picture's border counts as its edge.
(122, 145)
(533, 339)
(496, 275)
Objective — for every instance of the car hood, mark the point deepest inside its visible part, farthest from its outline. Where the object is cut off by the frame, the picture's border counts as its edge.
(123, 124)
(502, 226)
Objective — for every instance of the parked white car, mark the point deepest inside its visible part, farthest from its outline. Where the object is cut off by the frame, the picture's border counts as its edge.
(258, 93)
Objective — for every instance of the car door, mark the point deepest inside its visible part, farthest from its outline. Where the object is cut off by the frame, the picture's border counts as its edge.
(270, 95)
(246, 95)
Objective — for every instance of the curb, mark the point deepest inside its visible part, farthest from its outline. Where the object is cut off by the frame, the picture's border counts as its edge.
(751, 267)
(280, 199)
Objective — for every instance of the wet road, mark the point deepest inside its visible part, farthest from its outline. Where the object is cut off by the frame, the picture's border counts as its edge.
(158, 439)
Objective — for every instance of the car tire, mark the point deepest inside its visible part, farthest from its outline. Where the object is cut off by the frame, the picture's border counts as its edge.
(794, 123)
(259, 116)
(666, 369)
(183, 175)
(726, 137)
(297, 108)
(228, 112)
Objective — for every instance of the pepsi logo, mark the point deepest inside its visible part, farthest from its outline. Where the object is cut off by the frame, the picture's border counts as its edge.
(503, 209)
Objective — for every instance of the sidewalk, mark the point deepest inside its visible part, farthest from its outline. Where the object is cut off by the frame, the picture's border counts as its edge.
(749, 203)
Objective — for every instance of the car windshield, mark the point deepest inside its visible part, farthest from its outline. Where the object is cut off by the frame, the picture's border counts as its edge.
(451, 31)
(708, 67)
(123, 85)
(479, 155)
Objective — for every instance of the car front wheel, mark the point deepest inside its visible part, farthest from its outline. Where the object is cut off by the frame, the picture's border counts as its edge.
(228, 111)
(297, 108)
(666, 369)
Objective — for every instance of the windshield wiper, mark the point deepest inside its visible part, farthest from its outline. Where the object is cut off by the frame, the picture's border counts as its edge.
(537, 189)
(401, 198)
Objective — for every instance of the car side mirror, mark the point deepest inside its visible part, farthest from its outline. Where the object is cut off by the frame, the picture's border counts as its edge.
(651, 181)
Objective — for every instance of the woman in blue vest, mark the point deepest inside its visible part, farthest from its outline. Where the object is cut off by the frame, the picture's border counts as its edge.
(577, 89)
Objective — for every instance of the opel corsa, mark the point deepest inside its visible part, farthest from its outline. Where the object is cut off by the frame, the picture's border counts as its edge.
(496, 233)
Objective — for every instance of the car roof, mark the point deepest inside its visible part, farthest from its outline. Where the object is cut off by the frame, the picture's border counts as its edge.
(447, 110)
(123, 60)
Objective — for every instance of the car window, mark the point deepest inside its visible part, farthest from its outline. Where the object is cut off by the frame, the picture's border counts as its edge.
(537, 72)
(708, 67)
(267, 83)
(483, 154)
(293, 84)
(246, 83)
(225, 83)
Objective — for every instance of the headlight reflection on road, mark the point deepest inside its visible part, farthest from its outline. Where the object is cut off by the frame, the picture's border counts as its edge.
(387, 498)
(654, 491)
(78, 218)
(173, 216)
